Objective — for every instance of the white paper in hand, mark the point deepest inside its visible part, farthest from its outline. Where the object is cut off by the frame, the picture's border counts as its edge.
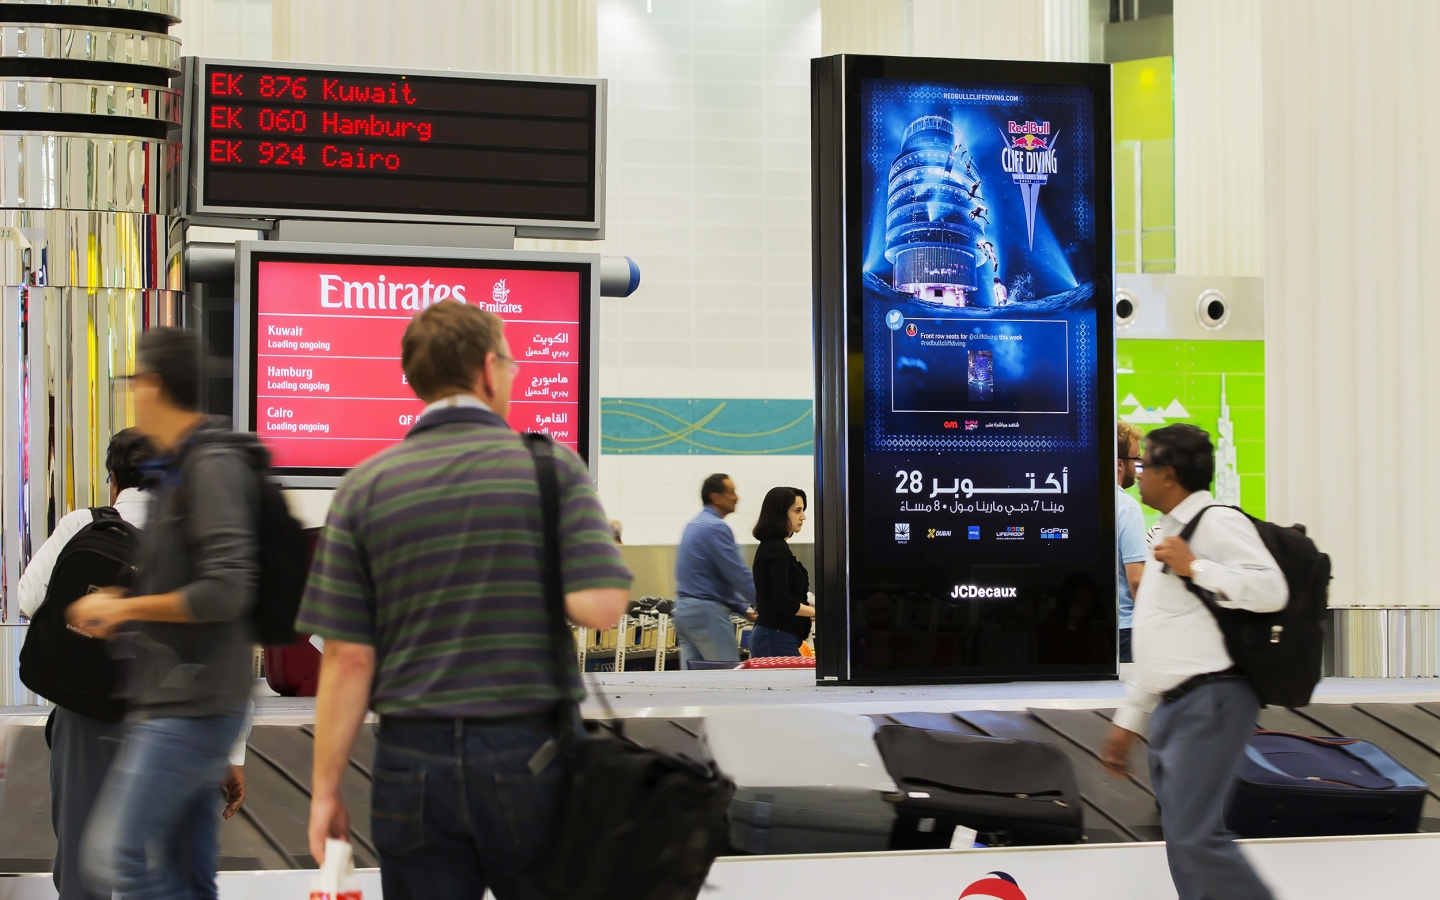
(336, 880)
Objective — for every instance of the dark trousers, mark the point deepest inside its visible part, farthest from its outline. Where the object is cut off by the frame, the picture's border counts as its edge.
(455, 808)
(773, 642)
(81, 750)
(1126, 654)
(1196, 745)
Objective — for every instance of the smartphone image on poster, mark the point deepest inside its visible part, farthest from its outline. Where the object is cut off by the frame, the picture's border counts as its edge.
(981, 376)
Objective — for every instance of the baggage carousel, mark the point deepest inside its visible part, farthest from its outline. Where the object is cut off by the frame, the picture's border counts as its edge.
(667, 711)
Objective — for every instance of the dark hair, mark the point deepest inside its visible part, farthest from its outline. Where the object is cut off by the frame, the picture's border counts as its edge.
(128, 451)
(1187, 450)
(173, 356)
(774, 521)
(715, 484)
(444, 348)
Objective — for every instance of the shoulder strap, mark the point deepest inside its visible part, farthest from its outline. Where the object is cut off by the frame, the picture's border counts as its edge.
(104, 512)
(542, 451)
(1188, 531)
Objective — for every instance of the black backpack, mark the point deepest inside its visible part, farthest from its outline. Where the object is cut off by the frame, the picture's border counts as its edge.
(280, 544)
(283, 568)
(63, 665)
(1281, 653)
(632, 823)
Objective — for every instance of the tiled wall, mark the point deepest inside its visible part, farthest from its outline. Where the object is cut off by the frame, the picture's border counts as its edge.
(708, 189)
(1162, 373)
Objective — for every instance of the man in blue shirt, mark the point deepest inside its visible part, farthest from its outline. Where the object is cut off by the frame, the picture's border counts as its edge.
(1130, 543)
(711, 580)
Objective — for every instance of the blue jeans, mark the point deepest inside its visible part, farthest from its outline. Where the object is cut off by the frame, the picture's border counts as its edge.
(154, 832)
(770, 642)
(455, 808)
(704, 631)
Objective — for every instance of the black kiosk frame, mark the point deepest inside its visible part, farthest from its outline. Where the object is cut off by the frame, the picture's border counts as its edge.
(965, 398)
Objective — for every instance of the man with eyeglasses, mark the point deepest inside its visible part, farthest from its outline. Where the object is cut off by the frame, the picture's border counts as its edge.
(1130, 545)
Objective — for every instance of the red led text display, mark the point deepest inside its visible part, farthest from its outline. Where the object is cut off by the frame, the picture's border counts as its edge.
(328, 390)
(308, 139)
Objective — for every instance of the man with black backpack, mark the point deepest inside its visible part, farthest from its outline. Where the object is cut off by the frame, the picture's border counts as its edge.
(428, 588)
(183, 634)
(1209, 563)
(92, 547)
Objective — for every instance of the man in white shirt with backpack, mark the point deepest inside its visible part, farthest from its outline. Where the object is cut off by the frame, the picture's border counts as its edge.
(82, 746)
(1185, 691)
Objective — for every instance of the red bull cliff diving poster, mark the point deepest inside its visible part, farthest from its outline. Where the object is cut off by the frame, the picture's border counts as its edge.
(964, 273)
(979, 321)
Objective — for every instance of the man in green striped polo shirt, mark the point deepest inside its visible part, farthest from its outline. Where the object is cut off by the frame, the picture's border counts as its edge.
(427, 590)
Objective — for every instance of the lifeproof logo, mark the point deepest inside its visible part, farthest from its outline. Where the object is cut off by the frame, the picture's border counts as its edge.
(966, 591)
(1011, 533)
(994, 886)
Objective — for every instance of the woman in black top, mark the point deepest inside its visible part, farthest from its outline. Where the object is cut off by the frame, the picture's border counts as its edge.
(781, 582)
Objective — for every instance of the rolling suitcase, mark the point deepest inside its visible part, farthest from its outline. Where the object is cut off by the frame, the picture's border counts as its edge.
(807, 780)
(1007, 791)
(293, 671)
(1292, 785)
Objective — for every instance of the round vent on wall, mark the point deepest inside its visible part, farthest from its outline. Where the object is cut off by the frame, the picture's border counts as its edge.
(1212, 310)
(1127, 308)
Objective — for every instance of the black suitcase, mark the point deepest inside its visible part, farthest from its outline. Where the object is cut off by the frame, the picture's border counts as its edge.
(1293, 785)
(1009, 792)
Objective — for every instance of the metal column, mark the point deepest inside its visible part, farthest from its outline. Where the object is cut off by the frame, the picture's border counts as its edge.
(89, 181)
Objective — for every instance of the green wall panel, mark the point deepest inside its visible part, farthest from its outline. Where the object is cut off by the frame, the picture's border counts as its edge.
(1161, 374)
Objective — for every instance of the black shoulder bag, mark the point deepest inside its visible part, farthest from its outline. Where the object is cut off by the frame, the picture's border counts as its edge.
(632, 823)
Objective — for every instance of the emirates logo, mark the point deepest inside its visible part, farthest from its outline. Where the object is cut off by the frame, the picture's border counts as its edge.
(500, 293)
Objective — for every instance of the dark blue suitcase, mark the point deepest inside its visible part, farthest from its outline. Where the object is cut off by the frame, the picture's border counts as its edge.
(1293, 785)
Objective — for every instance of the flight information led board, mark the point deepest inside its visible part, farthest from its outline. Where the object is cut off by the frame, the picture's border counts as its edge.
(274, 140)
(965, 344)
(323, 384)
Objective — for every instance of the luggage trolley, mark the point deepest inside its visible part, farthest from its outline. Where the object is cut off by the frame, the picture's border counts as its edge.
(646, 632)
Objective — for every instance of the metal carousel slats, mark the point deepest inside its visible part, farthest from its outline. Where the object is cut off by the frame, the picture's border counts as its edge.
(1087, 729)
(291, 752)
(1130, 810)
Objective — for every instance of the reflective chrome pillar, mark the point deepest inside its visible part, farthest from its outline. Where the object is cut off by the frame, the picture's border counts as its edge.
(89, 180)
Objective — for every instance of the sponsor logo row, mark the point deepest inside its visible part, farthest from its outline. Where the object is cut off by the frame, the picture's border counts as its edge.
(974, 533)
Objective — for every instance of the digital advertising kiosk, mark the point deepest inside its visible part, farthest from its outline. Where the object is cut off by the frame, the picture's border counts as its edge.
(964, 344)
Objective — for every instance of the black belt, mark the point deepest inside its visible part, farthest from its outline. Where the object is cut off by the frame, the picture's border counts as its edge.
(543, 721)
(1198, 681)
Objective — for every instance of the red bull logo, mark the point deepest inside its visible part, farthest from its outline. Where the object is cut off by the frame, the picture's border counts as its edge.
(1028, 142)
(994, 886)
(1030, 128)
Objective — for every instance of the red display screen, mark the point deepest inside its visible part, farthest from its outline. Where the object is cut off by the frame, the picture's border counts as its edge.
(305, 138)
(327, 390)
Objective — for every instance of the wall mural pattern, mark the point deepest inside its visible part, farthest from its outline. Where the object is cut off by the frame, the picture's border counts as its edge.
(682, 427)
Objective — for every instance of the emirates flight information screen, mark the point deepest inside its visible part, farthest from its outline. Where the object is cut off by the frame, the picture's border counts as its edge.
(392, 142)
(327, 390)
